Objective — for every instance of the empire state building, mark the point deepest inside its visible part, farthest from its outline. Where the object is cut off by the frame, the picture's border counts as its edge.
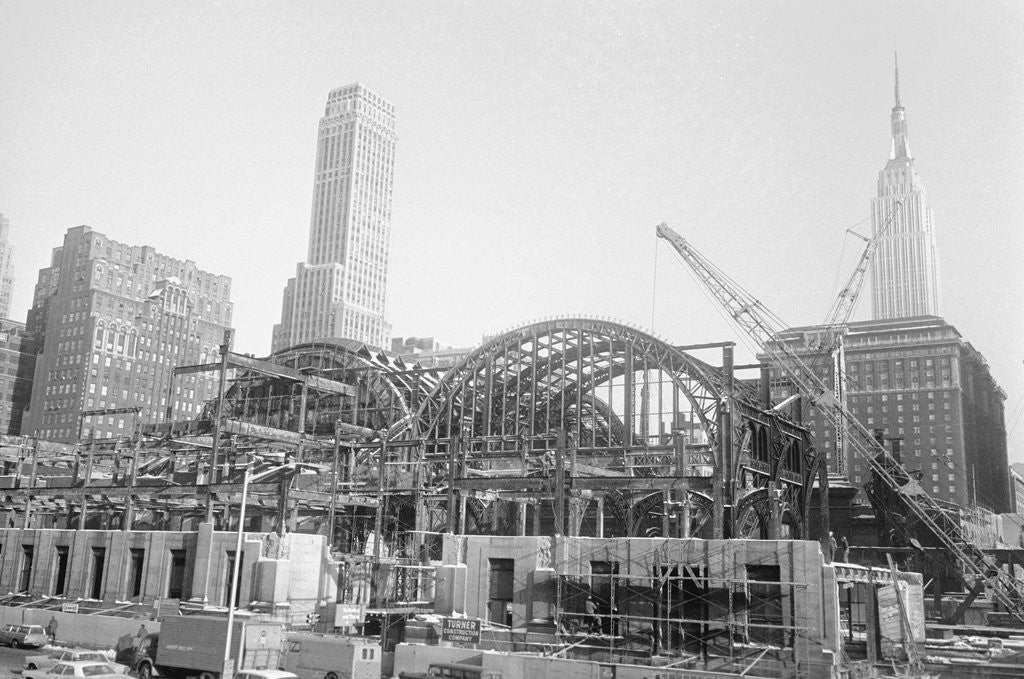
(338, 292)
(905, 275)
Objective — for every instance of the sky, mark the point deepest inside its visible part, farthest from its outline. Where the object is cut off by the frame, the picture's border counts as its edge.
(539, 143)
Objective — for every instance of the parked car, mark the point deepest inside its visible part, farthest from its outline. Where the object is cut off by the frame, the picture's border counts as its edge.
(43, 661)
(23, 636)
(80, 668)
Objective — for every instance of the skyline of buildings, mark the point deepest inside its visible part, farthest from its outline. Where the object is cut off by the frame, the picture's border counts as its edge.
(113, 321)
(339, 291)
(909, 373)
(905, 270)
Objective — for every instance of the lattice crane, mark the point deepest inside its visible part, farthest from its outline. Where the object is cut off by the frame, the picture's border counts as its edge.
(832, 342)
(764, 328)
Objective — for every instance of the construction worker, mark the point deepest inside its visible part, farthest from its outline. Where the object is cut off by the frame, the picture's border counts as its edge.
(592, 617)
(548, 461)
(844, 550)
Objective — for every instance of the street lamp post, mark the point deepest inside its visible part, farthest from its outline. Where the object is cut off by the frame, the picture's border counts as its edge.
(233, 598)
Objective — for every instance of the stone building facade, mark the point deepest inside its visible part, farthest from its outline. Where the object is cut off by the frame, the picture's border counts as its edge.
(114, 321)
(930, 392)
(146, 566)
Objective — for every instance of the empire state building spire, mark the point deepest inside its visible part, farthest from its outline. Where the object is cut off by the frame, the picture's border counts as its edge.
(900, 144)
(905, 270)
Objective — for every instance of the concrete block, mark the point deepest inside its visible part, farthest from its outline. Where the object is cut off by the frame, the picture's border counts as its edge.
(450, 589)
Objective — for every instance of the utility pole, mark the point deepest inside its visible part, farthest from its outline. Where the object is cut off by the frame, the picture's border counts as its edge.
(212, 472)
(129, 508)
(334, 486)
(559, 476)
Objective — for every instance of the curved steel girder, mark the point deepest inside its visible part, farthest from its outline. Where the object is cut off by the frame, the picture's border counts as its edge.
(689, 375)
(753, 515)
(666, 358)
(700, 511)
(376, 372)
(703, 404)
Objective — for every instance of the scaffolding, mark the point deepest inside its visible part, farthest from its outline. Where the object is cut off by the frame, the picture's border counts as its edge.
(684, 605)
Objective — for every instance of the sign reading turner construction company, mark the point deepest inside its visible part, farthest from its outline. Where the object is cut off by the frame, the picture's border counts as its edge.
(460, 630)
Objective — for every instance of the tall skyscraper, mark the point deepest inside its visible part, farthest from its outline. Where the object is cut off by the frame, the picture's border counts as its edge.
(6, 267)
(114, 321)
(339, 291)
(905, 273)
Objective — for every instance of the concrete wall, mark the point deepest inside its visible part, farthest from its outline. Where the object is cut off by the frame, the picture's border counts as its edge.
(413, 658)
(93, 631)
(114, 576)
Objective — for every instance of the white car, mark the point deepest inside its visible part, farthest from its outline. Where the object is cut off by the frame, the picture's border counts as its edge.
(42, 661)
(23, 636)
(80, 669)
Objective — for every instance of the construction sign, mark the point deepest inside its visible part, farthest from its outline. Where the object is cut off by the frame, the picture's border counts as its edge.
(460, 630)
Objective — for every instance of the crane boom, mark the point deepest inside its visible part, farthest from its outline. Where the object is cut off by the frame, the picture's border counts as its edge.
(763, 328)
(835, 327)
(842, 308)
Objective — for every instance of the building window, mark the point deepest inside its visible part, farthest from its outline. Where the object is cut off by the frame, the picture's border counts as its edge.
(137, 558)
(227, 578)
(176, 578)
(501, 587)
(60, 570)
(765, 606)
(25, 577)
(99, 557)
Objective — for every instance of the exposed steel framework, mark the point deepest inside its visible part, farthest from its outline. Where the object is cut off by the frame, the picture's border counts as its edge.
(626, 405)
(576, 426)
(571, 426)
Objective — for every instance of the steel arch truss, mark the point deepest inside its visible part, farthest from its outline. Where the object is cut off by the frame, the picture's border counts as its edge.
(622, 398)
(488, 442)
(387, 391)
(568, 374)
